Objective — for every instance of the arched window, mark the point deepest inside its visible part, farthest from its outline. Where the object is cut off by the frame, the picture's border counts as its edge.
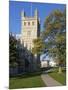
(32, 23)
(24, 23)
(28, 23)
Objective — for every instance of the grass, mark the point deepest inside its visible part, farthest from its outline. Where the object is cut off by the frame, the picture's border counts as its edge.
(26, 81)
(59, 77)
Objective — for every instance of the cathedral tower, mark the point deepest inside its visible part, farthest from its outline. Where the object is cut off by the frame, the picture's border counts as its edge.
(30, 29)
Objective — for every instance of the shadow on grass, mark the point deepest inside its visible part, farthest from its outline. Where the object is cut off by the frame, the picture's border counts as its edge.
(26, 75)
(30, 74)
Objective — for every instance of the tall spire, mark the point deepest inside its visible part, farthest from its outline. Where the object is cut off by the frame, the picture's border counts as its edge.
(31, 9)
(23, 13)
(36, 12)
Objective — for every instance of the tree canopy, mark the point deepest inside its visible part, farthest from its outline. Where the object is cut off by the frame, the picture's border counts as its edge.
(38, 46)
(55, 35)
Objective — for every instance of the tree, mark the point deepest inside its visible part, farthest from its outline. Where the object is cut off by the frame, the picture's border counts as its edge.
(19, 55)
(37, 50)
(12, 50)
(38, 46)
(55, 36)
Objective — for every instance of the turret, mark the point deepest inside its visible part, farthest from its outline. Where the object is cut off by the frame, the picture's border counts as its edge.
(36, 13)
(23, 14)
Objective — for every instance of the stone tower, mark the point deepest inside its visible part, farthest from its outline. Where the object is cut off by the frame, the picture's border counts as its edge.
(30, 29)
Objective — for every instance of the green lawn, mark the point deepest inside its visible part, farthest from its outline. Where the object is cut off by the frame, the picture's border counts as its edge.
(26, 81)
(59, 77)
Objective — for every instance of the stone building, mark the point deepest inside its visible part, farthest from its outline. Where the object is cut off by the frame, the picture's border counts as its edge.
(30, 29)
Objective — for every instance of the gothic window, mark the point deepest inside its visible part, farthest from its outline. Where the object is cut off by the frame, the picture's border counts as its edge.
(32, 23)
(28, 23)
(24, 23)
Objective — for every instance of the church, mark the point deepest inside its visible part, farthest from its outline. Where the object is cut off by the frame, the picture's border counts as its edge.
(30, 30)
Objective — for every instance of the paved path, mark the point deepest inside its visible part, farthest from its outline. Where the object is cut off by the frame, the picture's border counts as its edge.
(49, 81)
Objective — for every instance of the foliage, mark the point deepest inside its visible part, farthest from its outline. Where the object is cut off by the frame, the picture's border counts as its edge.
(13, 52)
(55, 35)
(18, 55)
(38, 46)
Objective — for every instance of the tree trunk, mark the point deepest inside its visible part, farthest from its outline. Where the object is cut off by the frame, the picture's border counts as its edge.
(60, 69)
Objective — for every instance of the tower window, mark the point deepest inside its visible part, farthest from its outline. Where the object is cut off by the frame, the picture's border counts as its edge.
(28, 23)
(32, 23)
(24, 23)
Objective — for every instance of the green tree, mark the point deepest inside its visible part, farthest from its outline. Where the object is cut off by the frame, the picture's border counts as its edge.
(55, 36)
(37, 50)
(12, 50)
(38, 46)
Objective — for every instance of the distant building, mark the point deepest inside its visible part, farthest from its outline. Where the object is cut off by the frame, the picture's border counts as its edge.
(46, 63)
(52, 63)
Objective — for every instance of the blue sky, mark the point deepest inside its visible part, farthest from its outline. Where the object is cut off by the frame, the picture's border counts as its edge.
(15, 8)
